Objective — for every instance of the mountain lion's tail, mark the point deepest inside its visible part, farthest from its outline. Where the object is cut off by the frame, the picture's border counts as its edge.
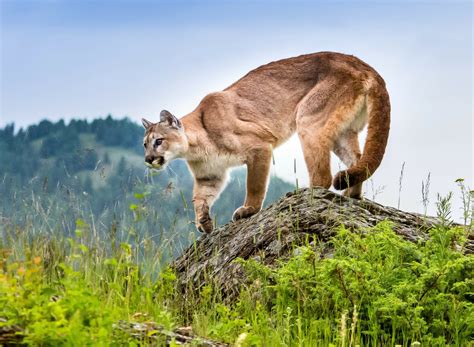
(378, 109)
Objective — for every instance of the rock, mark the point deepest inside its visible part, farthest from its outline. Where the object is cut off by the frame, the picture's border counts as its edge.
(307, 216)
(10, 335)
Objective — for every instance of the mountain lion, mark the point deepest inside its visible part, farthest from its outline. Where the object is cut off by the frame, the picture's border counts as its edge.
(327, 98)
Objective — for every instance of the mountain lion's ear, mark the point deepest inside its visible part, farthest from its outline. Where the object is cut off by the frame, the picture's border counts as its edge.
(170, 120)
(146, 123)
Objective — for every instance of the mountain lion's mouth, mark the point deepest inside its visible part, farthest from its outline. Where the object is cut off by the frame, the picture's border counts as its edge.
(156, 164)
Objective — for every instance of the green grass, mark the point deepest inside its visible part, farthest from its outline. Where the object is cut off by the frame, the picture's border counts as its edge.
(375, 289)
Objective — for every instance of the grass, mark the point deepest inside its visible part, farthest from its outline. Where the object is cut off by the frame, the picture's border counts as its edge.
(375, 290)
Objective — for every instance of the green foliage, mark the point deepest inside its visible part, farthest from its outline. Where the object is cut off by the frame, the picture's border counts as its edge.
(71, 291)
(65, 312)
(370, 289)
(375, 289)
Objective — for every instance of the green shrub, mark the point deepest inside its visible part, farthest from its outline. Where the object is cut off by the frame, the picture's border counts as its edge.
(375, 289)
(53, 314)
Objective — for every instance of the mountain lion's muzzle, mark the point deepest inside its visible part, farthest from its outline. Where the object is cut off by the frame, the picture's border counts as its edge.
(154, 162)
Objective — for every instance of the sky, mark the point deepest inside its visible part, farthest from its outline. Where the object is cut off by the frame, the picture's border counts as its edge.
(87, 59)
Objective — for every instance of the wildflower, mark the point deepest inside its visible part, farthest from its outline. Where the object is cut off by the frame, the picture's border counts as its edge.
(36, 260)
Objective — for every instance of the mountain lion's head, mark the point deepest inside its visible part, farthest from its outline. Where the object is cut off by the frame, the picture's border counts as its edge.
(164, 140)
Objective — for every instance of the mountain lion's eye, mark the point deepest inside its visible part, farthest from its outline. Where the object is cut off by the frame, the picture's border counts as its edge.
(158, 142)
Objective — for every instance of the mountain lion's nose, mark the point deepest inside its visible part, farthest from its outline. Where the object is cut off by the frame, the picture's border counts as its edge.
(149, 159)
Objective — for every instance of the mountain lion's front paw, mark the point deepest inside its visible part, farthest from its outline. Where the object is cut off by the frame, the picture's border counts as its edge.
(244, 212)
(203, 220)
(204, 224)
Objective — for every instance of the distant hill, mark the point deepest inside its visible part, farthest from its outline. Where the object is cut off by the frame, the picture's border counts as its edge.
(56, 167)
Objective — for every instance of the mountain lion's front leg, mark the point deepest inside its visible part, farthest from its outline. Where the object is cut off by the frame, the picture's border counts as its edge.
(206, 190)
(258, 167)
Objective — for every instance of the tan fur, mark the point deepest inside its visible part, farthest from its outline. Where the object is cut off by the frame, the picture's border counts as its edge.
(327, 98)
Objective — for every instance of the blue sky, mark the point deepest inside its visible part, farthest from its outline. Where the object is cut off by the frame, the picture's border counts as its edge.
(64, 59)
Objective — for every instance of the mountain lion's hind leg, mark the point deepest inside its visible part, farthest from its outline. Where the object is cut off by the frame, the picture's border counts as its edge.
(258, 168)
(206, 191)
(348, 150)
(316, 151)
(322, 116)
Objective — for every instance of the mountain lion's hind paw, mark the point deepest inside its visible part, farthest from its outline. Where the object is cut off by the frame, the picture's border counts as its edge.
(244, 212)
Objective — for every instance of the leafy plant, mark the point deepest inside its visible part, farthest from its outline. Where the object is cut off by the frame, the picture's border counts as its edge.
(398, 293)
